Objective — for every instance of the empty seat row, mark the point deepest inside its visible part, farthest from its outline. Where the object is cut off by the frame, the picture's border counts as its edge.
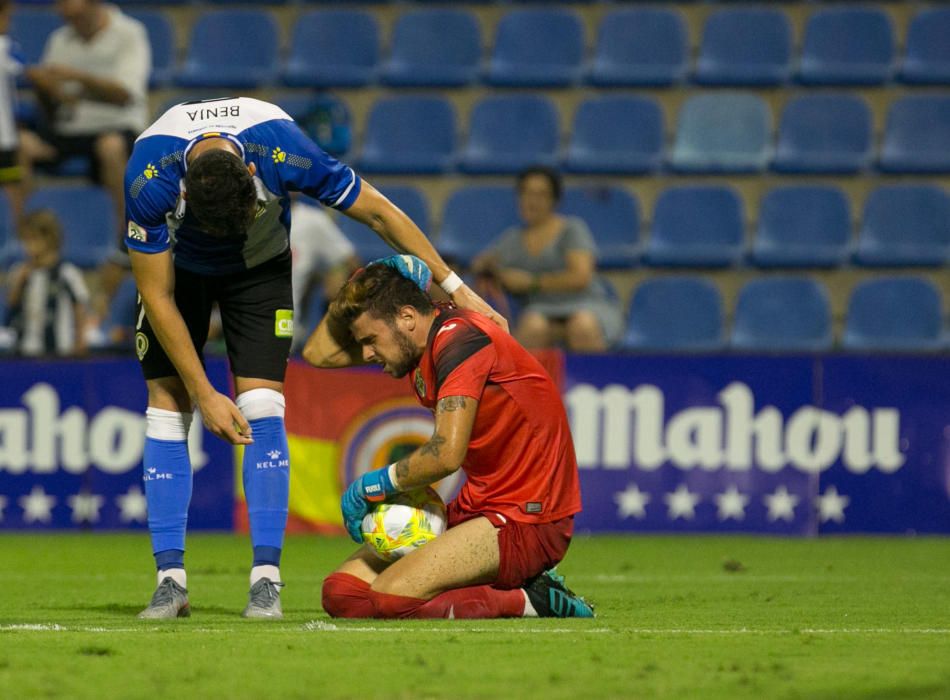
(716, 133)
(535, 47)
(704, 226)
(785, 314)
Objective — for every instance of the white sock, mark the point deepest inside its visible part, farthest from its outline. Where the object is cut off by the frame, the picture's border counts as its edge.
(529, 610)
(265, 571)
(176, 575)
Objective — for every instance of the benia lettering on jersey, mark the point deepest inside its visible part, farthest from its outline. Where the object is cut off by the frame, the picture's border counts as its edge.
(284, 158)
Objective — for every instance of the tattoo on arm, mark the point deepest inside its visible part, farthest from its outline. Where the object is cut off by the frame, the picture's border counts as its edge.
(433, 446)
(402, 469)
(450, 403)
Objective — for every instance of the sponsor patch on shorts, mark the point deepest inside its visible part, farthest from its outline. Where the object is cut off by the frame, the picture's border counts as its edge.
(284, 323)
(141, 344)
(533, 507)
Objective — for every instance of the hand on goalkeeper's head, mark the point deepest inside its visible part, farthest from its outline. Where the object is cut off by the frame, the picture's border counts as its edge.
(410, 267)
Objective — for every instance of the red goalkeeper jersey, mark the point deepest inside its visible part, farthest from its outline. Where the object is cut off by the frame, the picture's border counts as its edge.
(520, 459)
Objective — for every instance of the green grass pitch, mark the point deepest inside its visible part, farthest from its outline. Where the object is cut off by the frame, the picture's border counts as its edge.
(678, 617)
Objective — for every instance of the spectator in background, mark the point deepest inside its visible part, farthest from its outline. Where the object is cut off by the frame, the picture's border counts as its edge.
(47, 296)
(321, 254)
(92, 85)
(10, 67)
(548, 265)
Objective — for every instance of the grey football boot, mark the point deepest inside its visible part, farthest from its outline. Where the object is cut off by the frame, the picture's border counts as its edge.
(263, 600)
(169, 601)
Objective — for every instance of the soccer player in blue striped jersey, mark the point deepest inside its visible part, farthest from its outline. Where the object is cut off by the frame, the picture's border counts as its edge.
(207, 193)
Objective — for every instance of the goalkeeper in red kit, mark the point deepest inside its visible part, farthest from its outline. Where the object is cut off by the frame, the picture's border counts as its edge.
(498, 416)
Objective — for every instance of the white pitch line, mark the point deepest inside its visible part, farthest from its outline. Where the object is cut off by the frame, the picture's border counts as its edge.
(323, 626)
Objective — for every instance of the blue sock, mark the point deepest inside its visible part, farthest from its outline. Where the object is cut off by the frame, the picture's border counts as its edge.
(168, 493)
(267, 487)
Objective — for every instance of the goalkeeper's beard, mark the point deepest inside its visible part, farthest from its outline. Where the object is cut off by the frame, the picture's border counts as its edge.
(408, 356)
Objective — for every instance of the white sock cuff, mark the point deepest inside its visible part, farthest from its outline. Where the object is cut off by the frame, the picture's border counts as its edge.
(167, 425)
(177, 575)
(265, 571)
(261, 403)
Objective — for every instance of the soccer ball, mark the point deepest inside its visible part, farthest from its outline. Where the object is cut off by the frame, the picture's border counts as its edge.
(404, 522)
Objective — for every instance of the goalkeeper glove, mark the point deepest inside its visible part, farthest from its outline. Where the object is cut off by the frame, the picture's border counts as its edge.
(371, 488)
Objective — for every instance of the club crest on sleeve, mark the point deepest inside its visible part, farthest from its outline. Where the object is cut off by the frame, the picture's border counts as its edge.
(420, 383)
(136, 232)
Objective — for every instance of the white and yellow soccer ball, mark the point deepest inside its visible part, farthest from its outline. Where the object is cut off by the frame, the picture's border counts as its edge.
(404, 522)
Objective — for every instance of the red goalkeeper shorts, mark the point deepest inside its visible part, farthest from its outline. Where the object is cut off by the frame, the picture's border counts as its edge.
(525, 549)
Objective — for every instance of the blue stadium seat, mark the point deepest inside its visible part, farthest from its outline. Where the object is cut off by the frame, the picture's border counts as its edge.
(411, 134)
(782, 314)
(825, 133)
(847, 45)
(434, 47)
(722, 133)
(9, 245)
(368, 245)
(537, 47)
(30, 28)
(119, 324)
(161, 37)
(745, 47)
(905, 225)
(323, 117)
(509, 133)
(613, 216)
(473, 218)
(218, 55)
(333, 48)
(927, 52)
(803, 226)
(616, 134)
(894, 314)
(675, 313)
(917, 135)
(87, 217)
(641, 46)
(697, 226)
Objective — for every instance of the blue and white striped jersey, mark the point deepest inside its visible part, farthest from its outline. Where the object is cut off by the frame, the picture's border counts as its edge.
(285, 158)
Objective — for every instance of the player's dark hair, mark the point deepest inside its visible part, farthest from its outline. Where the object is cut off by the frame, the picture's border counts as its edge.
(380, 291)
(550, 174)
(220, 193)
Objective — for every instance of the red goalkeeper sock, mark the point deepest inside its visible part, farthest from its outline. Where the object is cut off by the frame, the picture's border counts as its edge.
(473, 602)
(345, 595)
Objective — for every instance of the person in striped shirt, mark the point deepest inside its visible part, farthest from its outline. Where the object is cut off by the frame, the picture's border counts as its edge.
(47, 296)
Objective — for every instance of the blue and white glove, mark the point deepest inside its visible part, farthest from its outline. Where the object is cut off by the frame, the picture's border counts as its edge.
(373, 487)
(410, 267)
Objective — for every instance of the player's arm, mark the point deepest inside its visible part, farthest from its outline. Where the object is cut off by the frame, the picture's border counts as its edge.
(392, 225)
(442, 455)
(445, 451)
(155, 278)
(332, 346)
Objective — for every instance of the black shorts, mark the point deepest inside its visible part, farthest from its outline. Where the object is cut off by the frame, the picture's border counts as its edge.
(256, 317)
(9, 167)
(85, 146)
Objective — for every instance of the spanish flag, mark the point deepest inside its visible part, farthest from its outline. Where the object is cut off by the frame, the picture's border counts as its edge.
(340, 423)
